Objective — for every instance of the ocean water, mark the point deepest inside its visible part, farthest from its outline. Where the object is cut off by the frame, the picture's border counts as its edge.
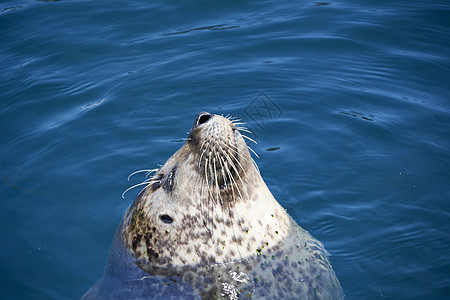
(349, 102)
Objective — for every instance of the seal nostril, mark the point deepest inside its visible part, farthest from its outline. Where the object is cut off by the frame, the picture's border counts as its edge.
(166, 219)
(204, 117)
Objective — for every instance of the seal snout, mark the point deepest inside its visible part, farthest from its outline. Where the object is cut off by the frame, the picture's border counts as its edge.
(221, 153)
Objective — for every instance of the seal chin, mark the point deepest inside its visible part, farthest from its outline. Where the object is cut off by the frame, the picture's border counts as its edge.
(222, 152)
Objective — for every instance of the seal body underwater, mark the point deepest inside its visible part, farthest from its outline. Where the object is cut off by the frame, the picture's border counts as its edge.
(207, 227)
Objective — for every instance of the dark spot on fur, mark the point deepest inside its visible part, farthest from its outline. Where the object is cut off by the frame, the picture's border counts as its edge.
(279, 267)
(211, 259)
(169, 180)
(263, 266)
(152, 254)
(156, 182)
(155, 185)
(136, 241)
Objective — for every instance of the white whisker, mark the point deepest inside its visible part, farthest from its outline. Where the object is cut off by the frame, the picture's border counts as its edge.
(146, 182)
(235, 151)
(253, 151)
(250, 139)
(256, 165)
(203, 152)
(141, 171)
(235, 158)
(244, 129)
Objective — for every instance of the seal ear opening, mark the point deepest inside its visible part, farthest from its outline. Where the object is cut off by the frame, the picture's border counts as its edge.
(166, 219)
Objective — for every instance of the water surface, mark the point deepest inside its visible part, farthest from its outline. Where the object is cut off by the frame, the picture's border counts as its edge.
(349, 103)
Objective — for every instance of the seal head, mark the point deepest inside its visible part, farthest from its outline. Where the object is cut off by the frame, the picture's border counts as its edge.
(207, 221)
(191, 212)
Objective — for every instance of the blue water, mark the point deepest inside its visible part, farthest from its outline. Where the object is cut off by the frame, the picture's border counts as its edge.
(348, 100)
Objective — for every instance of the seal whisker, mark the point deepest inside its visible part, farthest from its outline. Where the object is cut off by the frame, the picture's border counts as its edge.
(216, 181)
(244, 129)
(235, 158)
(210, 201)
(256, 165)
(141, 171)
(232, 118)
(233, 181)
(236, 151)
(235, 119)
(223, 167)
(219, 197)
(253, 151)
(250, 139)
(203, 152)
(234, 167)
(231, 206)
(146, 182)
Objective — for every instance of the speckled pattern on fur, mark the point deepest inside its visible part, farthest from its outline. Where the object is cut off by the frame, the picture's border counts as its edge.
(207, 227)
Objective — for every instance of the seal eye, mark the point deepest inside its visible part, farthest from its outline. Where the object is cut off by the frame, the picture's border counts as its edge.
(166, 219)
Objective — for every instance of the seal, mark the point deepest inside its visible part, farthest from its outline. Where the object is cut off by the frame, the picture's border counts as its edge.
(206, 226)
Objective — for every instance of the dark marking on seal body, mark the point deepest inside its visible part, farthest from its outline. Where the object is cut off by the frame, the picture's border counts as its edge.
(169, 180)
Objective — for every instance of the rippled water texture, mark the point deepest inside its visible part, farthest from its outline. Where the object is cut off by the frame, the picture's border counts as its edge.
(349, 103)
